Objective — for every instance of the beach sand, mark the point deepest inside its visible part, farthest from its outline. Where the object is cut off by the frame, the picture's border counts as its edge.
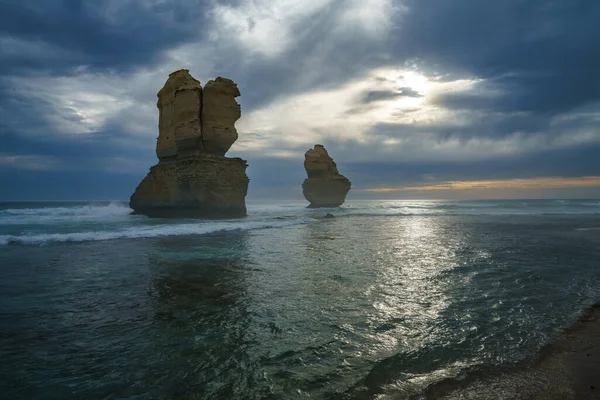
(568, 368)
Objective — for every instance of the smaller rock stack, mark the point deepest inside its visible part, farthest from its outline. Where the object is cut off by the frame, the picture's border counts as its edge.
(325, 186)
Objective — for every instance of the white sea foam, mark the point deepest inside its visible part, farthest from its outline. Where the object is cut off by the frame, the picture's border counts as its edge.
(200, 228)
(77, 223)
(117, 212)
(591, 204)
(90, 212)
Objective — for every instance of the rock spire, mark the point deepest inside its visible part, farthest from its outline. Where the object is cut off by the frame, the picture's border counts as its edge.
(325, 186)
(193, 178)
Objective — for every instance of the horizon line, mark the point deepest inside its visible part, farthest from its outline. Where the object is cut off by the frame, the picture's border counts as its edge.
(513, 183)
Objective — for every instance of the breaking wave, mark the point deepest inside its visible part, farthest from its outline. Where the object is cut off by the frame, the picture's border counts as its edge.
(40, 223)
(87, 212)
(201, 228)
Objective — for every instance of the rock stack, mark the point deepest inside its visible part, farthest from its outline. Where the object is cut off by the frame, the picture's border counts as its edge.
(325, 186)
(193, 178)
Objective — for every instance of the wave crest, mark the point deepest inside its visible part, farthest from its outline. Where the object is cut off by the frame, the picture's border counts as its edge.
(64, 213)
(201, 228)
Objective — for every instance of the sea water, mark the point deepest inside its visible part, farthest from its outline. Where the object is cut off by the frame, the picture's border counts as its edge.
(381, 301)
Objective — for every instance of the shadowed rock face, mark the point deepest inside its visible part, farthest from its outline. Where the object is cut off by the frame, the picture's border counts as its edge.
(192, 119)
(219, 113)
(196, 128)
(325, 186)
(179, 124)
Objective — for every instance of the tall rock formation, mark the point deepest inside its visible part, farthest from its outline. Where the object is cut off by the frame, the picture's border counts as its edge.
(196, 127)
(325, 186)
(219, 113)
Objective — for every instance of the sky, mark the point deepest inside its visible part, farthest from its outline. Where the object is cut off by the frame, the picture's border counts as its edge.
(412, 98)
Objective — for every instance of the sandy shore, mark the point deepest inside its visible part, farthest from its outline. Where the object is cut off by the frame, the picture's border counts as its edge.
(568, 368)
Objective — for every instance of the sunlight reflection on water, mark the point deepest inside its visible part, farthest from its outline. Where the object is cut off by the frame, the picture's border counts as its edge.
(349, 308)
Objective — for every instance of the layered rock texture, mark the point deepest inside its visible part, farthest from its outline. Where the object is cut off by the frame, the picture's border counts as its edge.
(196, 128)
(325, 186)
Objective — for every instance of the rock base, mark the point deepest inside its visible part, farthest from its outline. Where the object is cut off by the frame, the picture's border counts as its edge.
(197, 186)
(326, 192)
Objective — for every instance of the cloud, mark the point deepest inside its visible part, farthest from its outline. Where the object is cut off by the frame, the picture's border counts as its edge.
(336, 115)
(378, 95)
(100, 34)
(262, 27)
(87, 98)
(29, 162)
(541, 56)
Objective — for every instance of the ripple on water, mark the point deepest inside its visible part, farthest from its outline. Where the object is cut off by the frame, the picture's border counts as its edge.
(347, 307)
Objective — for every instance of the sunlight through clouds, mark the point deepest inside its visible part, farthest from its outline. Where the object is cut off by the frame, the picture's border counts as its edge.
(265, 26)
(529, 183)
(262, 26)
(340, 113)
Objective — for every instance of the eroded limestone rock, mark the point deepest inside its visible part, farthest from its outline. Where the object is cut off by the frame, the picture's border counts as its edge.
(325, 186)
(179, 105)
(219, 113)
(196, 128)
(198, 186)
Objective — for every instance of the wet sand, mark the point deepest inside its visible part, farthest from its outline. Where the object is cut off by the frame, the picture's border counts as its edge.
(568, 368)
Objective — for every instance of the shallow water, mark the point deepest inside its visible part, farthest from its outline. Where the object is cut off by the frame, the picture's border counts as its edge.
(383, 300)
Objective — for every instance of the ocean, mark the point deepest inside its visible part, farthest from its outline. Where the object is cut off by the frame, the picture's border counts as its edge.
(381, 301)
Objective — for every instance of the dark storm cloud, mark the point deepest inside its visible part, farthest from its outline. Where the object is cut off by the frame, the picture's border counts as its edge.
(409, 92)
(543, 55)
(377, 95)
(478, 126)
(92, 153)
(56, 36)
(24, 130)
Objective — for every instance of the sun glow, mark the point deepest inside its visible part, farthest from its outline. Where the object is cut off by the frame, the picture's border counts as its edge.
(415, 81)
(383, 95)
(529, 183)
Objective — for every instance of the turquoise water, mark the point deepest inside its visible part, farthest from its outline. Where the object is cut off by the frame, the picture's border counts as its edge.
(383, 300)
